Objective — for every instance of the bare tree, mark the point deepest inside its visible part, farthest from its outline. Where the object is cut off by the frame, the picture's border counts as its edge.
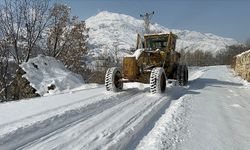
(75, 46)
(4, 65)
(35, 18)
(67, 38)
(247, 43)
(115, 52)
(24, 26)
(59, 26)
(21, 24)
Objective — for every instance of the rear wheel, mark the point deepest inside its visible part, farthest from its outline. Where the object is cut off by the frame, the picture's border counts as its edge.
(182, 75)
(113, 80)
(186, 75)
(157, 80)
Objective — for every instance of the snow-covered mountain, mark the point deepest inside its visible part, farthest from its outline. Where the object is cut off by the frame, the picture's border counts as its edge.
(110, 31)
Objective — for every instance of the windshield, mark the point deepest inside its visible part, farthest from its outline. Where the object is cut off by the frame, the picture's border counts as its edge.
(154, 44)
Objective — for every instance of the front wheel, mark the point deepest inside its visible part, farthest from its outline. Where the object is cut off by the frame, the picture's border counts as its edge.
(113, 80)
(157, 80)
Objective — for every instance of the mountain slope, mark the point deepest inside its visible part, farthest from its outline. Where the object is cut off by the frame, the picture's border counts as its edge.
(109, 31)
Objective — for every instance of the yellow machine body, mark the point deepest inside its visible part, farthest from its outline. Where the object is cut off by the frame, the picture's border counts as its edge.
(158, 51)
(130, 68)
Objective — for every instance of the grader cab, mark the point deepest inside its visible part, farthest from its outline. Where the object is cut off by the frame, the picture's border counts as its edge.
(155, 63)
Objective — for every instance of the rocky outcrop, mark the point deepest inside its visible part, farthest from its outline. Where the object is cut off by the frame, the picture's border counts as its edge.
(19, 88)
(242, 65)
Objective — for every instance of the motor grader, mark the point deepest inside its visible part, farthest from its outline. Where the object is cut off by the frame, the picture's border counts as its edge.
(156, 64)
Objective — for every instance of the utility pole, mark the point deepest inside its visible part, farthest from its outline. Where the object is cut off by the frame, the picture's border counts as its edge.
(147, 17)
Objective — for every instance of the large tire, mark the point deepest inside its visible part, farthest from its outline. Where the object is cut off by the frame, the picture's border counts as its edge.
(182, 75)
(112, 80)
(186, 75)
(157, 80)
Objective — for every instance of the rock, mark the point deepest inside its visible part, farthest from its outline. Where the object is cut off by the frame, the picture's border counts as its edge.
(19, 88)
(242, 65)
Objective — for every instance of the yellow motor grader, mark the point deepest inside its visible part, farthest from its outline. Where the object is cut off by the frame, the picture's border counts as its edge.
(154, 64)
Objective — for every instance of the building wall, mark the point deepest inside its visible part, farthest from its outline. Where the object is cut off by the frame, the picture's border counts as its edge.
(242, 65)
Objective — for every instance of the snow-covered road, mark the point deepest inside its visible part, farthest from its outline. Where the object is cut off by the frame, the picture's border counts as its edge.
(211, 113)
(220, 114)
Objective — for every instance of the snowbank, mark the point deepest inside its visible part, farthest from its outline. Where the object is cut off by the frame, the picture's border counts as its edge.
(48, 75)
(173, 123)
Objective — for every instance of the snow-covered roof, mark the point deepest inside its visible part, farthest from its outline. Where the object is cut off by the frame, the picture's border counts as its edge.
(163, 33)
(246, 52)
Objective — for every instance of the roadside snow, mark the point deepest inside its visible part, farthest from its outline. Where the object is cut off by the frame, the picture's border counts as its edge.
(210, 113)
(43, 72)
(244, 82)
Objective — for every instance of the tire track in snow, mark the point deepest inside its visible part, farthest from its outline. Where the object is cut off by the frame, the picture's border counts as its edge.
(72, 115)
(124, 132)
(90, 125)
(121, 134)
(50, 110)
(171, 128)
(113, 128)
(107, 118)
(139, 124)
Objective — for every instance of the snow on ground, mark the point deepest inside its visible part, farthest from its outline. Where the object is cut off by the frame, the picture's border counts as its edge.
(44, 71)
(172, 128)
(220, 112)
(210, 113)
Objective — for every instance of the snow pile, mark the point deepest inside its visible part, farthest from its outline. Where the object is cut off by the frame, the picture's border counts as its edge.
(136, 54)
(48, 75)
(109, 31)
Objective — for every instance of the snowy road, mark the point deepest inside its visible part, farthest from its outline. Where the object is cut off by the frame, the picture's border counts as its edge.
(82, 119)
(211, 113)
(220, 114)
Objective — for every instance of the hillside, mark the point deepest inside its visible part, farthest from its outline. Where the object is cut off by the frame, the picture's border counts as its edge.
(109, 30)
